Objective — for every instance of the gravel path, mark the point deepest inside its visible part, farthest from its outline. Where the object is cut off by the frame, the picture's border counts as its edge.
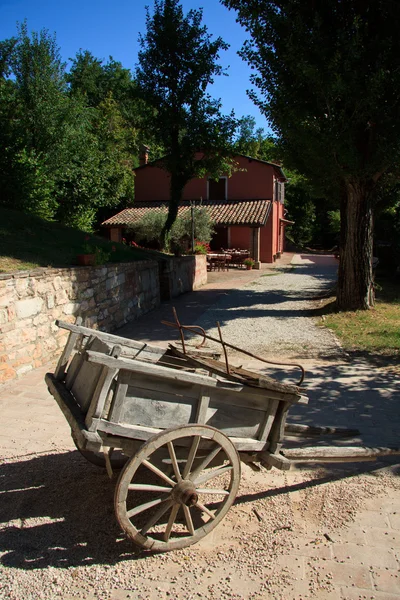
(273, 315)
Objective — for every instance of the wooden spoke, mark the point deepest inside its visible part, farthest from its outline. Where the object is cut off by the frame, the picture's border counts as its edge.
(192, 454)
(188, 518)
(144, 487)
(204, 509)
(171, 451)
(212, 475)
(206, 461)
(143, 507)
(157, 531)
(156, 517)
(212, 491)
(171, 521)
(157, 471)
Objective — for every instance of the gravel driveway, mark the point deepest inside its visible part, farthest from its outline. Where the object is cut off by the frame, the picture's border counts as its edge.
(271, 315)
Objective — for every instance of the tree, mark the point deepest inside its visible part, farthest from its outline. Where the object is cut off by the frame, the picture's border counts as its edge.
(177, 61)
(60, 158)
(330, 86)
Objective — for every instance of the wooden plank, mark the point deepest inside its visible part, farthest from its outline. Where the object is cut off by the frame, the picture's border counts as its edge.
(142, 347)
(202, 407)
(299, 429)
(337, 453)
(268, 420)
(150, 369)
(77, 363)
(278, 427)
(275, 460)
(118, 403)
(136, 432)
(99, 397)
(70, 409)
(87, 377)
(66, 353)
(290, 393)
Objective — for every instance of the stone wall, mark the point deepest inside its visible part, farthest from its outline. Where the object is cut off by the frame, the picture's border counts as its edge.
(106, 297)
(182, 274)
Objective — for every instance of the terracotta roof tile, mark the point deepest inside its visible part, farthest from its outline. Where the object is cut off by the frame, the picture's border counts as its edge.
(224, 212)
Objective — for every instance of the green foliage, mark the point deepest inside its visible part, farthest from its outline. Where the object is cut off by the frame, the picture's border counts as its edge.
(177, 61)
(149, 229)
(328, 81)
(334, 221)
(59, 157)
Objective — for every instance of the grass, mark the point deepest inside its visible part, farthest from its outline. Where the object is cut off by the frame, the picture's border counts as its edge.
(28, 242)
(376, 331)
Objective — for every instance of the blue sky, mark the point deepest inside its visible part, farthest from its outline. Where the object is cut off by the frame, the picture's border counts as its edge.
(111, 28)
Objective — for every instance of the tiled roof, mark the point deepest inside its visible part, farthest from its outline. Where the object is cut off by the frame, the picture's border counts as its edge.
(221, 212)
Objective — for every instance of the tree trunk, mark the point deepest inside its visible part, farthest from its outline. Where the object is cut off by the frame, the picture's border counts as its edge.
(175, 197)
(355, 282)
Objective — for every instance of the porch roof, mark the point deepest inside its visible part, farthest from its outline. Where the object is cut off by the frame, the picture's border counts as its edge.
(253, 213)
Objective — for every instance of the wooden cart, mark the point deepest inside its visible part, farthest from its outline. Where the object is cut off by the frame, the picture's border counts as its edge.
(178, 424)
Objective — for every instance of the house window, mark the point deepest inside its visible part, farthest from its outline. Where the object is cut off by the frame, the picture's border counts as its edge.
(217, 189)
(279, 191)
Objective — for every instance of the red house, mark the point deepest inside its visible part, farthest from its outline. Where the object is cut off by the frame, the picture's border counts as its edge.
(247, 208)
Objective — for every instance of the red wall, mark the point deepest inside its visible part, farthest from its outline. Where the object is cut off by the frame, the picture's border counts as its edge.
(240, 238)
(256, 181)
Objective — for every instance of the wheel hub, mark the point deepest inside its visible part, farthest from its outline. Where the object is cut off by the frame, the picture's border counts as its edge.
(185, 493)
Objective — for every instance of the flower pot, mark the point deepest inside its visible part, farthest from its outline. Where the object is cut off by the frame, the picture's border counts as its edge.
(249, 267)
(86, 260)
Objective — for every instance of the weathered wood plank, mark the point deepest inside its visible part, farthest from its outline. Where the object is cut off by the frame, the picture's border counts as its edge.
(66, 353)
(299, 429)
(118, 401)
(113, 339)
(290, 393)
(337, 453)
(150, 369)
(87, 376)
(202, 407)
(137, 432)
(268, 420)
(275, 460)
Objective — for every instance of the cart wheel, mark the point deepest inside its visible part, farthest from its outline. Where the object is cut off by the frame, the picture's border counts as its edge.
(162, 512)
(117, 459)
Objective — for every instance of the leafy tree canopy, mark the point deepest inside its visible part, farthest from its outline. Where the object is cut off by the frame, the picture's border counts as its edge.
(328, 80)
(177, 62)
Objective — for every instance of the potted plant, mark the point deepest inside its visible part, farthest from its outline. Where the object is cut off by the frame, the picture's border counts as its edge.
(92, 255)
(249, 262)
(88, 256)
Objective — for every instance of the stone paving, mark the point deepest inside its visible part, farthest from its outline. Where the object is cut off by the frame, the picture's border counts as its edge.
(360, 560)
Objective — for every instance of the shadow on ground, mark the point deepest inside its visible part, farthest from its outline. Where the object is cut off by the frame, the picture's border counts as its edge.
(60, 511)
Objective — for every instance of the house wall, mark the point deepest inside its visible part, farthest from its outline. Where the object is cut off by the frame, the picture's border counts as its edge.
(254, 180)
(240, 237)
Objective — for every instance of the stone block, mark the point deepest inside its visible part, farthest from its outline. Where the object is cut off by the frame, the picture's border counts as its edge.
(50, 300)
(23, 370)
(61, 297)
(115, 280)
(88, 293)
(57, 283)
(71, 308)
(6, 373)
(28, 308)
